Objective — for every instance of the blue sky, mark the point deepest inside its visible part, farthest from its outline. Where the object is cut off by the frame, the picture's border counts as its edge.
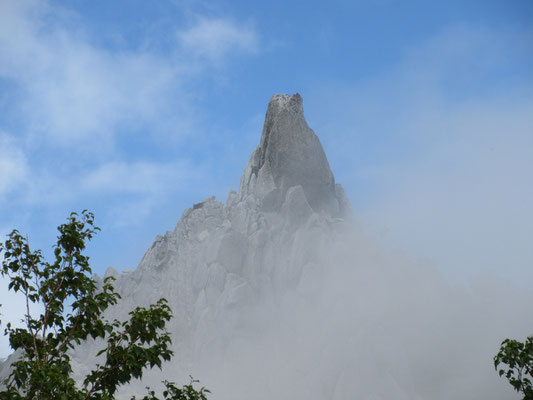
(137, 109)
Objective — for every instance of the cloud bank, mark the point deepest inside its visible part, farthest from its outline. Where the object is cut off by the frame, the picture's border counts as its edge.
(456, 193)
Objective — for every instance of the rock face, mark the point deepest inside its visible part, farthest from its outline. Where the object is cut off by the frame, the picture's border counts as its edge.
(222, 260)
(262, 241)
(290, 155)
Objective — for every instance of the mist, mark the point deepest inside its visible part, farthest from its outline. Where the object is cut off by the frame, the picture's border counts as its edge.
(372, 324)
(368, 322)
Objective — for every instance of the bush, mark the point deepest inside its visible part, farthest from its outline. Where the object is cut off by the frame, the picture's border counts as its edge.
(72, 306)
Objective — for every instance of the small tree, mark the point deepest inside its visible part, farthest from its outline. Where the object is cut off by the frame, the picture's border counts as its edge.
(72, 311)
(518, 358)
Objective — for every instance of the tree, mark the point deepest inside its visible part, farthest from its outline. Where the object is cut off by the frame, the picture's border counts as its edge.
(518, 358)
(73, 304)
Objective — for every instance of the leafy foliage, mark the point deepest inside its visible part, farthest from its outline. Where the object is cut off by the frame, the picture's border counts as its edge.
(188, 392)
(518, 358)
(72, 311)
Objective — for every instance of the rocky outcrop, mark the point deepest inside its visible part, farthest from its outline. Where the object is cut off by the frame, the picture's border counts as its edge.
(223, 260)
(289, 155)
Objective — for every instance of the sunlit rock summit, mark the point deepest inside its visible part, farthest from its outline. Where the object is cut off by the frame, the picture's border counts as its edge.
(289, 160)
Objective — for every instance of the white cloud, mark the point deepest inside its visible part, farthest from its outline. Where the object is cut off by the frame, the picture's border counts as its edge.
(13, 165)
(133, 213)
(71, 89)
(136, 178)
(133, 190)
(450, 164)
(78, 105)
(216, 38)
(465, 201)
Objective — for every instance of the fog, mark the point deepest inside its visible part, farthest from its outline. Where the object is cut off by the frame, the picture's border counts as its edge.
(374, 325)
(369, 323)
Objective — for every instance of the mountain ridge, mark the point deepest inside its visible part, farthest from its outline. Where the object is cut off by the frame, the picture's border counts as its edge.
(223, 260)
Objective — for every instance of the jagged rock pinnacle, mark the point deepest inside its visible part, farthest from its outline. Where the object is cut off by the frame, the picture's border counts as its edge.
(290, 154)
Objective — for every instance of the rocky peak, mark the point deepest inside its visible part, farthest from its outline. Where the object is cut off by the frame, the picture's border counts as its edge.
(289, 155)
(228, 270)
(280, 104)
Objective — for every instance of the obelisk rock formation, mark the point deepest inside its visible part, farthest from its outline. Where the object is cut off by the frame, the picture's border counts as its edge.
(290, 154)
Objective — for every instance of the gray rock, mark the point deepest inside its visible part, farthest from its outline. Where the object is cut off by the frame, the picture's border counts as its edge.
(290, 154)
(296, 209)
